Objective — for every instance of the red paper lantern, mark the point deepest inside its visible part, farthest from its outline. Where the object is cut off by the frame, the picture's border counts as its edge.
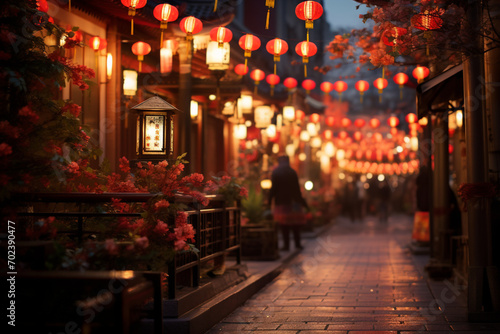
(411, 118)
(390, 36)
(393, 121)
(305, 50)
(273, 80)
(290, 83)
(400, 79)
(374, 123)
(299, 115)
(328, 134)
(326, 87)
(257, 75)
(314, 118)
(450, 148)
(340, 87)
(165, 13)
(428, 20)
(330, 121)
(345, 122)
(309, 11)
(221, 35)
(362, 86)
(132, 6)
(357, 136)
(394, 132)
(380, 84)
(343, 135)
(276, 47)
(140, 49)
(308, 85)
(241, 69)
(359, 122)
(420, 73)
(249, 43)
(95, 43)
(190, 26)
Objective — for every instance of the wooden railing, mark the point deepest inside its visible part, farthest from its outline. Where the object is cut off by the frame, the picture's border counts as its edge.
(217, 226)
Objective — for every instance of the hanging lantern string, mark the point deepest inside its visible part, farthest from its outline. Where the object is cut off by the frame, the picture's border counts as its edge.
(132, 26)
(267, 17)
(305, 70)
(215, 6)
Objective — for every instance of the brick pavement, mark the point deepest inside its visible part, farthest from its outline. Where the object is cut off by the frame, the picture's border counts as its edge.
(354, 279)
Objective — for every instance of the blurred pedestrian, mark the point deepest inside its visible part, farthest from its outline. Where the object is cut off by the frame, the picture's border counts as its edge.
(288, 202)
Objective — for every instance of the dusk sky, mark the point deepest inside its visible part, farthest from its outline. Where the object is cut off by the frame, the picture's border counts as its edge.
(343, 13)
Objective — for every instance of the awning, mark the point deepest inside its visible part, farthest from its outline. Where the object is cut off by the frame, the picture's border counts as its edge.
(435, 94)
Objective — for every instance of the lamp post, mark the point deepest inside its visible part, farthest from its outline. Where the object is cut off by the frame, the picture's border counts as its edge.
(155, 129)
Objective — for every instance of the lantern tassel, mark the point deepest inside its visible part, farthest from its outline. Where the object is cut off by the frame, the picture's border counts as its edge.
(140, 66)
(275, 68)
(272, 90)
(308, 35)
(305, 70)
(267, 18)
(246, 61)
(131, 26)
(215, 6)
(161, 38)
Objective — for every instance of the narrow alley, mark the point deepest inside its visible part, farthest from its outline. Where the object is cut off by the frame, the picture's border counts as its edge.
(356, 278)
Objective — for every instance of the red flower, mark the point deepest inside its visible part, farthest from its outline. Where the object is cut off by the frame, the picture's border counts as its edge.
(124, 165)
(5, 149)
(161, 227)
(27, 112)
(72, 108)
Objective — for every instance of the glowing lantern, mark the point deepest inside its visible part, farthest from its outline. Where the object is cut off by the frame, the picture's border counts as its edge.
(343, 135)
(423, 122)
(132, 6)
(357, 136)
(400, 79)
(273, 80)
(390, 36)
(328, 134)
(95, 43)
(309, 11)
(276, 47)
(340, 87)
(289, 113)
(290, 83)
(374, 123)
(411, 118)
(377, 136)
(140, 49)
(326, 87)
(450, 148)
(263, 116)
(380, 84)
(165, 13)
(221, 35)
(300, 115)
(249, 43)
(393, 121)
(427, 21)
(345, 122)
(330, 121)
(359, 123)
(308, 85)
(314, 118)
(361, 86)
(241, 69)
(306, 49)
(257, 75)
(394, 132)
(420, 73)
(169, 47)
(190, 26)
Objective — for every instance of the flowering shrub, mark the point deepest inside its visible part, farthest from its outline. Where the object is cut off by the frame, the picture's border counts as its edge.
(227, 186)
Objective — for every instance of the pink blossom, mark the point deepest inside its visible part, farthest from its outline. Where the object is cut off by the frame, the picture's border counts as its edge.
(161, 227)
(185, 232)
(27, 112)
(142, 242)
(111, 247)
(180, 245)
(181, 218)
(162, 204)
(163, 163)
